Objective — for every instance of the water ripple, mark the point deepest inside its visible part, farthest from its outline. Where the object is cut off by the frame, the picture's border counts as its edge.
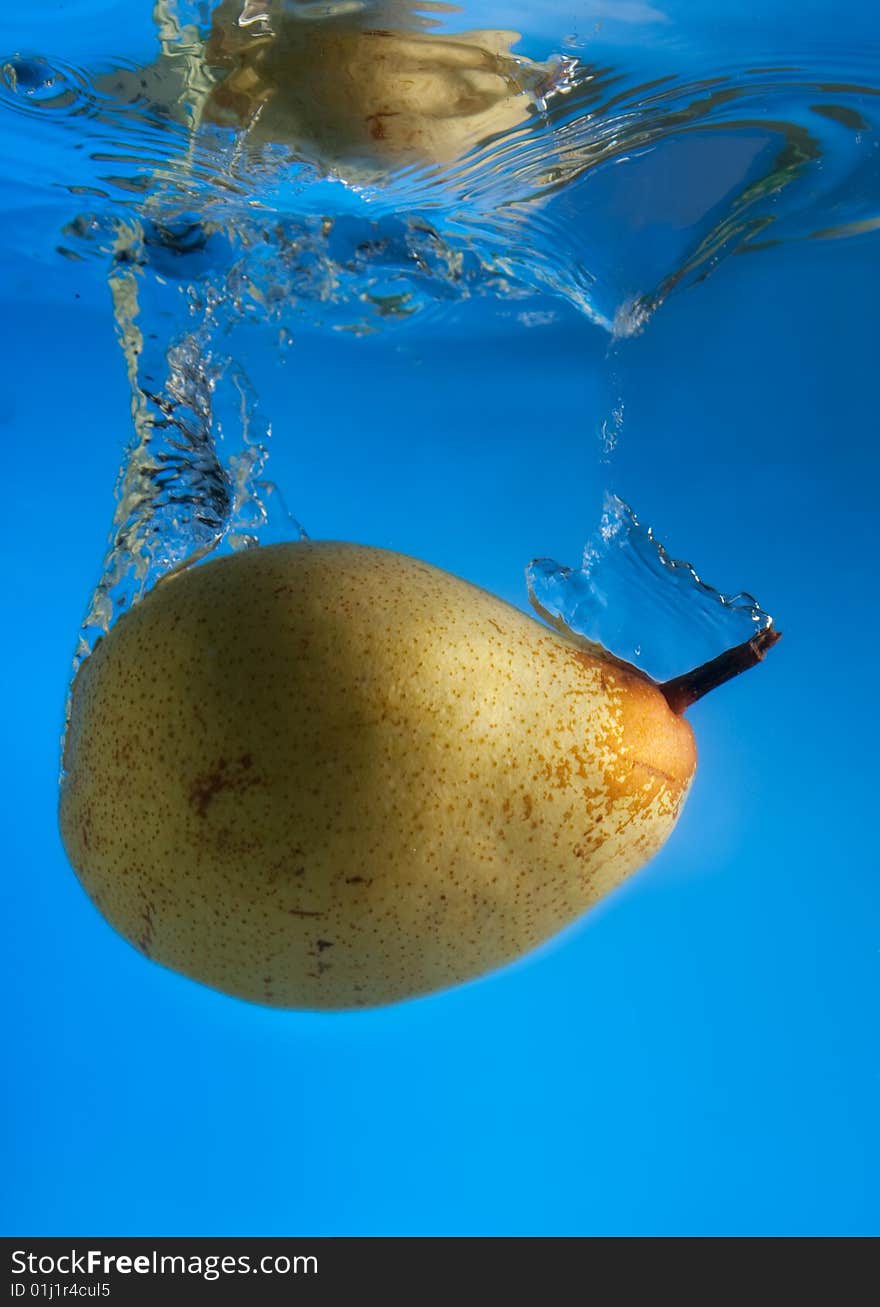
(557, 199)
(39, 85)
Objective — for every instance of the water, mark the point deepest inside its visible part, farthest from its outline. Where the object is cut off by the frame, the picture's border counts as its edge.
(457, 349)
(486, 174)
(631, 599)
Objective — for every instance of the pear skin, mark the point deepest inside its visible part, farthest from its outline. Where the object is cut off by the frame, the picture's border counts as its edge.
(321, 775)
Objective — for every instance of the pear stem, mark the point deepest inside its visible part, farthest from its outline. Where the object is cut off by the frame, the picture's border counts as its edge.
(684, 690)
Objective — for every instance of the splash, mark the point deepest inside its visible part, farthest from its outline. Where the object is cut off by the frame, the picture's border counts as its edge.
(361, 165)
(630, 597)
(191, 482)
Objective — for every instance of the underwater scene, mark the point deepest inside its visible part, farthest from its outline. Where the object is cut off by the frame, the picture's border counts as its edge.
(442, 617)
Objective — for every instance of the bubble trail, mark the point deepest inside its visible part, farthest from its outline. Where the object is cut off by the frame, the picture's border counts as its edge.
(177, 499)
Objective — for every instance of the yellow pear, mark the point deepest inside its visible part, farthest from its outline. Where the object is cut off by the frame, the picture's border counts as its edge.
(321, 775)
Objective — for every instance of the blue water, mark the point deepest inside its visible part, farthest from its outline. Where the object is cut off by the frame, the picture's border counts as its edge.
(699, 1055)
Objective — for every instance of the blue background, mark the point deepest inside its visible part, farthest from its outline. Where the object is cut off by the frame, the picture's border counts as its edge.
(699, 1055)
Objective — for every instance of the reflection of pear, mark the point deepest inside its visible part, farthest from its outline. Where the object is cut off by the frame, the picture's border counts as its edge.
(320, 775)
(355, 93)
(355, 98)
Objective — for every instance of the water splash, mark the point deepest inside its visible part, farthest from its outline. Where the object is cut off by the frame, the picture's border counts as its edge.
(225, 191)
(630, 597)
(191, 481)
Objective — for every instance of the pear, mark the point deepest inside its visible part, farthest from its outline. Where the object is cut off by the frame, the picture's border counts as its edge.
(322, 775)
